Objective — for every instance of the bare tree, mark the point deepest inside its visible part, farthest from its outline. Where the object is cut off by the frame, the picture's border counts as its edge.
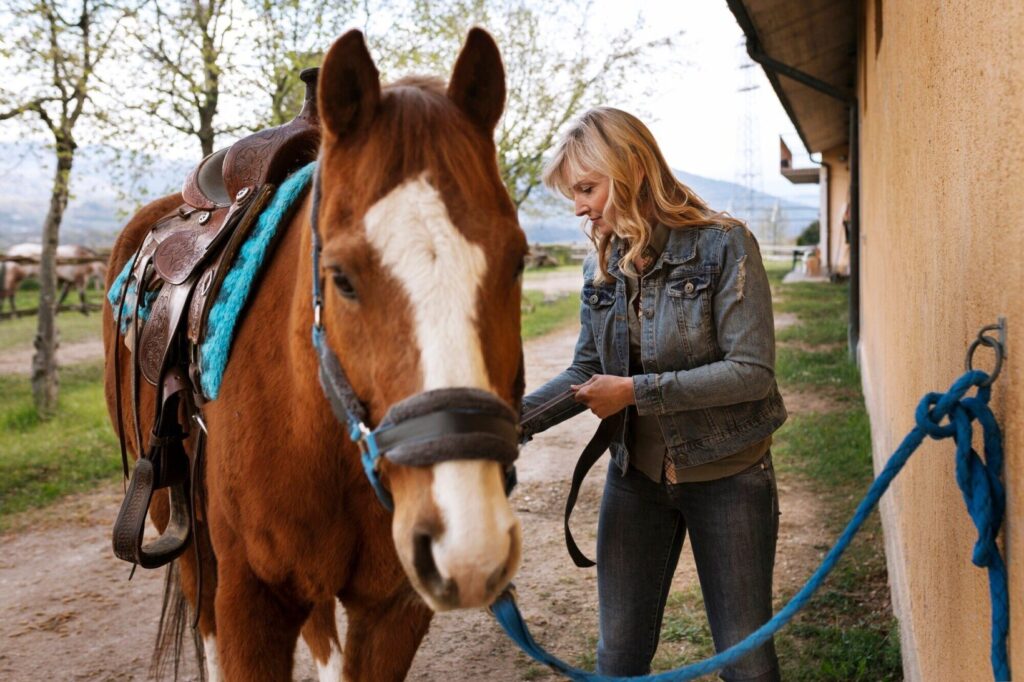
(59, 45)
(289, 36)
(187, 46)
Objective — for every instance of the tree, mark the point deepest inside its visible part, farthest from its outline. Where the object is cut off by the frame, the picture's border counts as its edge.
(187, 47)
(810, 235)
(60, 46)
(548, 82)
(289, 36)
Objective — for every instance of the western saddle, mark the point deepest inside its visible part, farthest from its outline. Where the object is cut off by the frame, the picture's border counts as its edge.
(183, 261)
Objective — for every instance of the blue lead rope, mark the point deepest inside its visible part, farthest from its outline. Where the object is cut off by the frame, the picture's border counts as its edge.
(979, 481)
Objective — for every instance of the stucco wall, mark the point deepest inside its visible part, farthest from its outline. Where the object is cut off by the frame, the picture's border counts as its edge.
(837, 189)
(941, 93)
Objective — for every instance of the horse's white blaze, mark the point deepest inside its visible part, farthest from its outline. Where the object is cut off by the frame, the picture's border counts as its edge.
(210, 650)
(479, 528)
(441, 272)
(331, 670)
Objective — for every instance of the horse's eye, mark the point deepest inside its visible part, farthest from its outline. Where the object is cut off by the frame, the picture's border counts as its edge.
(342, 283)
(520, 268)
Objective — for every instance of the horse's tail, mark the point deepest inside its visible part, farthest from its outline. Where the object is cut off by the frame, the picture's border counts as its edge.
(169, 649)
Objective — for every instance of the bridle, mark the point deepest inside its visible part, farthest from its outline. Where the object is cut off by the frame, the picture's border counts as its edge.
(439, 425)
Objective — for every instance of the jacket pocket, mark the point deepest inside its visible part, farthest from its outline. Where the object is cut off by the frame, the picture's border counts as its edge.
(690, 293)
(597, 297)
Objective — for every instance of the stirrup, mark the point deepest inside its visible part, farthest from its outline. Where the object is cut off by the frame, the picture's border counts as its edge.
(131, 519)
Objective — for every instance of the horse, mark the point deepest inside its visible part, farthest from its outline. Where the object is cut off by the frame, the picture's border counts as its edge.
(77, 275)
(421, 261)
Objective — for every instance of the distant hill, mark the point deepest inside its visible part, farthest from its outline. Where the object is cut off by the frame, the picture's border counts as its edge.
(97, 211)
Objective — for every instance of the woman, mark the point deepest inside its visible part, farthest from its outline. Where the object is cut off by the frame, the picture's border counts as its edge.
(676, 334)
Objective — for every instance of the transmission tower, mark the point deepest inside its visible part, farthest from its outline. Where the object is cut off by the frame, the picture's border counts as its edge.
(748, 166)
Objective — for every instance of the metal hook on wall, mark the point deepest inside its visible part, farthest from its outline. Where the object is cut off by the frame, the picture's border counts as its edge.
(998, 345)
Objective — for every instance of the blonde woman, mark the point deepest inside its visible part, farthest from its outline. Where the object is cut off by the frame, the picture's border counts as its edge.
(676, 334)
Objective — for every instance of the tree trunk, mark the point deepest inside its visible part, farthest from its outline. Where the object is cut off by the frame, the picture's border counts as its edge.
(45, 381)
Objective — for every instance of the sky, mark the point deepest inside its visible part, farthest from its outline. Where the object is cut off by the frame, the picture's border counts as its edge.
(696, 111)
(703, 137)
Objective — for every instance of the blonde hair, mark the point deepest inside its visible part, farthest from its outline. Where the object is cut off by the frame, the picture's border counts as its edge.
(618, 145)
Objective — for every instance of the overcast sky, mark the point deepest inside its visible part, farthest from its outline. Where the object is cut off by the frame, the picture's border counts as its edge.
(703, 136)
(697, 110)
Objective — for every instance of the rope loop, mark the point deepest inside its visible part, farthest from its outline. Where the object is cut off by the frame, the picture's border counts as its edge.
(930, 420)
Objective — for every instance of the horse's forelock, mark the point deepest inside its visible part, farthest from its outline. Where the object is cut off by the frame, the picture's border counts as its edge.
(418, 130)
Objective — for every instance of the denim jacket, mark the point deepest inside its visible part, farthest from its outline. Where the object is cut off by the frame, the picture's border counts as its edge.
(709, 357)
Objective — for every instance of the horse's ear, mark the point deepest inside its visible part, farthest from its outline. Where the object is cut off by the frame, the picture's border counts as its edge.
(477, 85)
(349, 89)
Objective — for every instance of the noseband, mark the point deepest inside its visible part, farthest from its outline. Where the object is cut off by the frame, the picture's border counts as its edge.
(439, 425)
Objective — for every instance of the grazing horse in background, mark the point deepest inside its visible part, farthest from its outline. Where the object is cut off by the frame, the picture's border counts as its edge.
(421, 262)
(69, 275)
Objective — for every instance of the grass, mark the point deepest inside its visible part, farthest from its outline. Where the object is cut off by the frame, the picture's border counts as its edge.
(42, 461)
(541, 273)
(18, 333)
(546, 316)
(847, 632)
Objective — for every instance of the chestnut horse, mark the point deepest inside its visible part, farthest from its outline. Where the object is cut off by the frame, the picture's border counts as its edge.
(421, 262)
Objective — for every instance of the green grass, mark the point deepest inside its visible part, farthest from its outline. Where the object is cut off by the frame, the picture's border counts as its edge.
(829, 370)
(41, 461)
(541, 273)
(17, 334)
(548, 316)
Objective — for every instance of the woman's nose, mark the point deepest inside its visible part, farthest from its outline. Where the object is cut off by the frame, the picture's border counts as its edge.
(581, 208)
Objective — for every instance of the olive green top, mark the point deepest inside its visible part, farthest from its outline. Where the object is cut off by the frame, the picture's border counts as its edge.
(644, 439)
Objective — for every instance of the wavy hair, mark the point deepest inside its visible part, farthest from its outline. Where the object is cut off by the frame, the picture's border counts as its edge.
(643, 190)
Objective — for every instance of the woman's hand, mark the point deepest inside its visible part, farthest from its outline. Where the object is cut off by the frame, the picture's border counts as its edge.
(605, 394)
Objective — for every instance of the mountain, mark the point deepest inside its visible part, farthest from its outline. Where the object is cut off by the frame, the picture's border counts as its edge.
(99, 206)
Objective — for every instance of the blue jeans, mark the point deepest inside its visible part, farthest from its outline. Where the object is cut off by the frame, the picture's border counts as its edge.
(733, 526)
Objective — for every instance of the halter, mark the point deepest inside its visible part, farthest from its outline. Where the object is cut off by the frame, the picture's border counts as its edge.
(439, 425)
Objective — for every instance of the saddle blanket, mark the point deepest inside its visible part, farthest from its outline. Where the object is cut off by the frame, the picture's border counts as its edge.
(227, 309)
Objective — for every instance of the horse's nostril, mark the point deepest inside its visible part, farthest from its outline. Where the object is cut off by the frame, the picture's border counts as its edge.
(444, 590)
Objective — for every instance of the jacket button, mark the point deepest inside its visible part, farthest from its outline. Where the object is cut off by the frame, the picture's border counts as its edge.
(649, 313)
(593, 298)
(688, 289)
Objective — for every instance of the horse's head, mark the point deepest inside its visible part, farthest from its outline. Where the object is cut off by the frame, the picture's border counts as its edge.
(422, 256)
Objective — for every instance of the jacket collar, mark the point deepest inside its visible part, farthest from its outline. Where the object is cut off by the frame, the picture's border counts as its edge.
(672, 245)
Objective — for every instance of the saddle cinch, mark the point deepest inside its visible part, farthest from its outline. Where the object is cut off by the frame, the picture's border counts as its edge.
(183, 261)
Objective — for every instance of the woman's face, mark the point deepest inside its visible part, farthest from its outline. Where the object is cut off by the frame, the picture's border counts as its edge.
(590, 199)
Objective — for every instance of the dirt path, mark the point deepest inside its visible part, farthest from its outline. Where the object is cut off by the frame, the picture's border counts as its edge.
(19, 361)
(553, 283)
(68, 612)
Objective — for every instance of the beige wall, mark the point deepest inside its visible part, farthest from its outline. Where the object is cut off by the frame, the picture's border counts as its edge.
(942, 206)
(835, 194)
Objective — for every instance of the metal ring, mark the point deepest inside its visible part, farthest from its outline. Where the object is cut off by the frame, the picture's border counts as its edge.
(995, 346)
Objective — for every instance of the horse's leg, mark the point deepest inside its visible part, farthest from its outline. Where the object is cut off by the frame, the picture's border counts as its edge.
(257, 627)
(383, 637)
(321, 635)
(159, 512)
(64, 291)
(82, 285)
(208, 588)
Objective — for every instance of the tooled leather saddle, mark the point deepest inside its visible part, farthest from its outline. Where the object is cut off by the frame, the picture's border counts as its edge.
(182, 262)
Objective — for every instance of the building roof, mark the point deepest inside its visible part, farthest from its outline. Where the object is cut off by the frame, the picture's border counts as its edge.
(818, 37)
